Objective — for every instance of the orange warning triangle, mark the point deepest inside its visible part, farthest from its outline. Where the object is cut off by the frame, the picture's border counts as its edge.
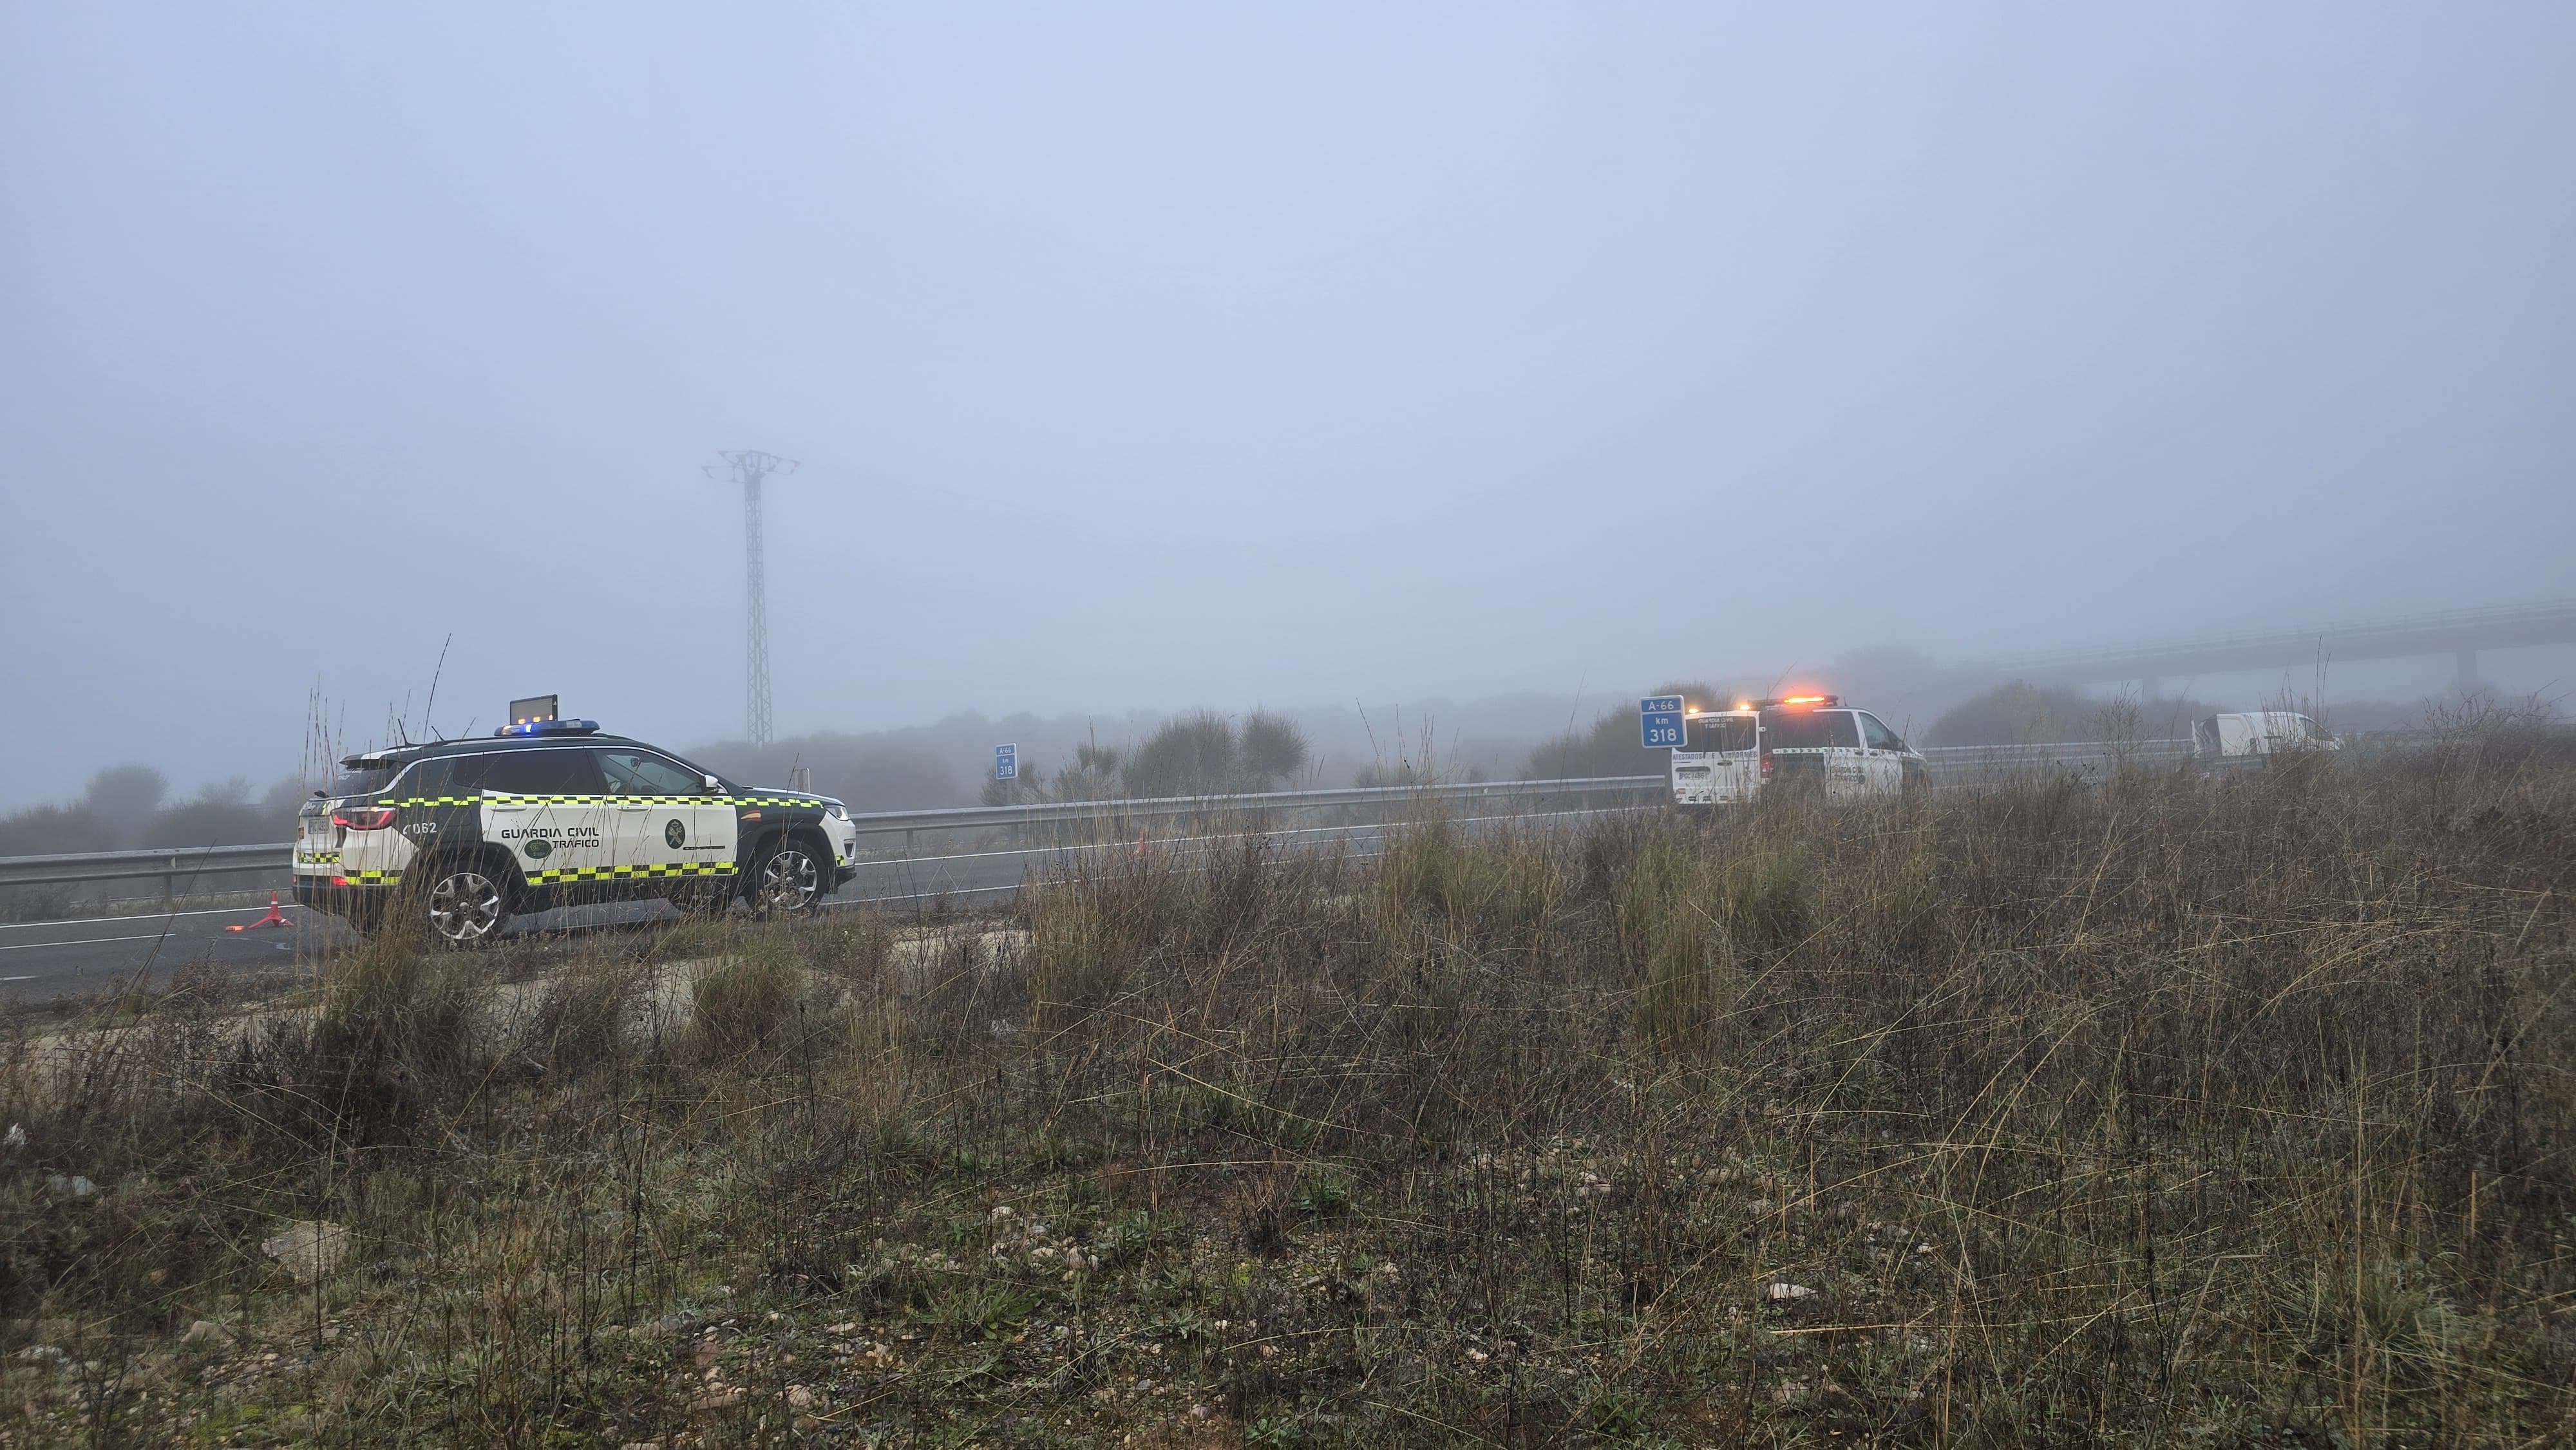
(274, 918)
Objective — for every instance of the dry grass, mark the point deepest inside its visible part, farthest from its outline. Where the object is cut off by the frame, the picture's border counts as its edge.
(2175, 1112)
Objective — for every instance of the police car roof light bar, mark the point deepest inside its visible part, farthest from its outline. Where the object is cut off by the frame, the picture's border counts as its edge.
(1794, 702)
(550, 727)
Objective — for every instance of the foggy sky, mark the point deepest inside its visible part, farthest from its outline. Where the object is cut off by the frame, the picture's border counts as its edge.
(1143, 357)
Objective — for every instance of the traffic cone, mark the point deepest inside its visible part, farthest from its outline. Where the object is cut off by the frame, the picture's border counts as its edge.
(274, 918)
(1140, 843)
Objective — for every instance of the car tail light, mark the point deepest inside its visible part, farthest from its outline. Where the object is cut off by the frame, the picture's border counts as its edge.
(1766, 765)
(363, 818)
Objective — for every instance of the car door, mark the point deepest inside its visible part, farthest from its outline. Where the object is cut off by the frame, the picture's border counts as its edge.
(1846, 768)
(546, 807)
(1883, 757)
(668, 824)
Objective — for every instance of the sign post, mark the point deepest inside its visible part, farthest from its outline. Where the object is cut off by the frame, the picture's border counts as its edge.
(1659, 721)
(1006, 768)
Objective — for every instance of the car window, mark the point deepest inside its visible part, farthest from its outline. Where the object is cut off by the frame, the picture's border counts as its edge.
(1810, 729)
(540, 772)
(437, 775)
(1718, 732)
(363, 778)
(635, 772)
(1877, 733)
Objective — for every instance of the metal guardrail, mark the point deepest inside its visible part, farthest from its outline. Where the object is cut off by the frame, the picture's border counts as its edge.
(1219, 806)
(1957, 763)
(169, 863)
(172, 864)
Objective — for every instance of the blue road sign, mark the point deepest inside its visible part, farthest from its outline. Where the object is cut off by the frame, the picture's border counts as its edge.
(1660, 721)
(1006, 762)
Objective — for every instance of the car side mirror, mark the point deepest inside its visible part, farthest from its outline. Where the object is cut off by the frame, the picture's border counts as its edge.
(712, 785)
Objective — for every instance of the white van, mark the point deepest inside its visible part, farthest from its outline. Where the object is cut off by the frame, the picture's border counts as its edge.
(1728, 757)
(2258, 732)
(1719, 762)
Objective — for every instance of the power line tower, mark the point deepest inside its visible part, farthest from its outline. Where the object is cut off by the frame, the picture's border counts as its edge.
(749, 467)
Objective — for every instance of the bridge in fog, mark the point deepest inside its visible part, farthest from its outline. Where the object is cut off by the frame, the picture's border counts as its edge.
(2460, 635)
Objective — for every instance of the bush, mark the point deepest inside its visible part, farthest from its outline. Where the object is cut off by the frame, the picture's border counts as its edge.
(1273, 750)
(747, 1004)
(1193, 754)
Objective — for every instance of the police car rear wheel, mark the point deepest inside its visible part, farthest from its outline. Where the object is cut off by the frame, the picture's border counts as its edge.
(466, 907)
(788, 881)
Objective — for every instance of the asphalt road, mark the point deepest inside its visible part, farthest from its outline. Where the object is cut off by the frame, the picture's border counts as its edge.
(42, 961)
(80, 957)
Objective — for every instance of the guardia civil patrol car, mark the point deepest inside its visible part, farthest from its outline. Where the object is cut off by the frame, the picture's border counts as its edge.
(464, 834)
(1800, 742)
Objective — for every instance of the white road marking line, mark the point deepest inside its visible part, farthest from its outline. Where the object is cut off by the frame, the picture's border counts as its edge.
(97, 941)
(86, 941)
(153, 916)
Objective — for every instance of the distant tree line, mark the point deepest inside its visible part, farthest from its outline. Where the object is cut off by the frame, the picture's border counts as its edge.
(2020, 713)
(1200, 753)
(1614, 743)
(126, 807)
(866, 775)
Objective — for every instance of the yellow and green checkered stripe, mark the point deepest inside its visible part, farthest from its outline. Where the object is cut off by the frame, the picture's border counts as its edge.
(504, 798)
(317, 858)
(630, 873)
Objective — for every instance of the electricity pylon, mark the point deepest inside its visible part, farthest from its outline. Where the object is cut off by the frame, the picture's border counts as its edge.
(749, 468)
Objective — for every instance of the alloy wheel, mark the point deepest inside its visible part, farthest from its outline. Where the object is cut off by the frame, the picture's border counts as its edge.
(789, 881)
(465, 907)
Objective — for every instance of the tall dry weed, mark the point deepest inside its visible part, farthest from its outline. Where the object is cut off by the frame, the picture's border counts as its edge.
(2175, 1109)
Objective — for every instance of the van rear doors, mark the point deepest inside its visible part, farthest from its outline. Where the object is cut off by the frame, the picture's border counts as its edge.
(1719, 761)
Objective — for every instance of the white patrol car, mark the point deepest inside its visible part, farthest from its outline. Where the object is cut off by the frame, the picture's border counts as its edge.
(1812, 742)
(467, 833)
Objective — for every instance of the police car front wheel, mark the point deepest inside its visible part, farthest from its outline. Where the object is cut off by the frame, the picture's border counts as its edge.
(467, 907)
(788, 881)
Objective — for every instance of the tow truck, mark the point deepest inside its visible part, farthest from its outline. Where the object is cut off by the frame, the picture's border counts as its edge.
(1729, 757)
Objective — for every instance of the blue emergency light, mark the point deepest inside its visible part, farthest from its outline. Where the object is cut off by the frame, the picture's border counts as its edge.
(550, 727)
